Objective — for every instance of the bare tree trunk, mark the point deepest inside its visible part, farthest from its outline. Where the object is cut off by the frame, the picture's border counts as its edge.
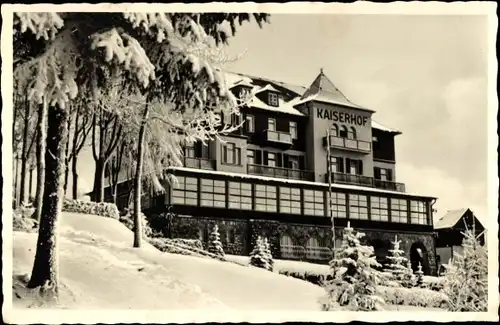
(40, 158)
(46, 266)
(138, 180)
(30, 188)
(66, 159)
(98, 192)
(24, 153)
(75, 177)
(16, 181)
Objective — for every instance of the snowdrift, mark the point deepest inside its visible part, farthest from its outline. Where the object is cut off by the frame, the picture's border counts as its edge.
(100, 269)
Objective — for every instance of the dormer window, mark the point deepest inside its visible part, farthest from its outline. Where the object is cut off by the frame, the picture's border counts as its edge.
(273, 99)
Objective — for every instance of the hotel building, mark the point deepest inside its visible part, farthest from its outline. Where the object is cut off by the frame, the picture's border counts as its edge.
(270, 178)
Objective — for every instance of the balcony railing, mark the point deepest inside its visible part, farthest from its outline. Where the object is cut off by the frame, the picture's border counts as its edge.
(280, 172)
(199, 163)
(278, 136)
(305, 253)
(350, 144)
(318, 253)
(361, 180)
(292, 251)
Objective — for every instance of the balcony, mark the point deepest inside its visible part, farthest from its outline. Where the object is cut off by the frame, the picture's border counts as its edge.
(341, 178)
(199, 163)
(279, 137)
(348, 144)
(279, 172)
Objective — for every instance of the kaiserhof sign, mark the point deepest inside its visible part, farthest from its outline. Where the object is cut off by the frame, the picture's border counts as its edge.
(335, 116)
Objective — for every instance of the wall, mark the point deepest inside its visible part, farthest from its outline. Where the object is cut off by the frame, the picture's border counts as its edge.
(247, 230)
(317, 131)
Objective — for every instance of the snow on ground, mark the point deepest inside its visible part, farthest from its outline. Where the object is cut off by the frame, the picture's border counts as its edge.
(287, 265)
(99, 269)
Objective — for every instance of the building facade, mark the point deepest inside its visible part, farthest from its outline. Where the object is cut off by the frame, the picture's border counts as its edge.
(270, 178)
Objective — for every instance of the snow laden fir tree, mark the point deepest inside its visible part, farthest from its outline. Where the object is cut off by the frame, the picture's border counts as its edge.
(466, 278)
(398, 266)
(354, 278)
(214, 243)
(167, 69)
(260, 256)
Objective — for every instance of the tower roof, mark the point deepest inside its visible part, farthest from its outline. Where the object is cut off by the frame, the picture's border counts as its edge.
(323, 90)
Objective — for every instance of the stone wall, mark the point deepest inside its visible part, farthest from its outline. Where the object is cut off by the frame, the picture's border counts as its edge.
(238, 236)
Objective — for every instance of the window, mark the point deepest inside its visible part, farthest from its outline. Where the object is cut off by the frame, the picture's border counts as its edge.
(273, 99)
(250, 157)
(383, 174)
(231, 154)
(250, 123)
(240, 196)
(343, 132)
(189, 151)
(334, 130)
(352, 133)
(213, 193)
(339, 206)
(358, 207)
(418, 212)
(271, 159)
(355, 166)
(186, 192)
(314, 203)
(379, 208)
(336, 164)
(399, 211)
(271, 124)
(290, 201)
(293, 130)
(265, 198)
(235, 119)
(293, 162)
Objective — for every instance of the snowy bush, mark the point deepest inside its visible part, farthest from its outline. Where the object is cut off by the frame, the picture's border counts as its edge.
(398, 270)
(413, 297)
(312, 277)
(466, 278)
(21, 222)
(214, 243)
(193, 243)
(355, 280)
(433, 283)
(103, 209)
(175, 247)
(128, 221)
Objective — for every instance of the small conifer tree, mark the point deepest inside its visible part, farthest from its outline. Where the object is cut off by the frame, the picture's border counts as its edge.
(399, 266)
(354, 277)
(466, 278)
(419, 276)
(268, 254)
(214, 243)
(258, 256)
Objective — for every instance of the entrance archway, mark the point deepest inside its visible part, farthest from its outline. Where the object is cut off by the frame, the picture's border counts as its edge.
(418, 254)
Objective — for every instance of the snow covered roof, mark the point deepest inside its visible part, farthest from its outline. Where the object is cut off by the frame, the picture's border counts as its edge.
(322, 89)
(267, 87)
(296, 182)
(450, 218)
(381, 127)
(283, 106)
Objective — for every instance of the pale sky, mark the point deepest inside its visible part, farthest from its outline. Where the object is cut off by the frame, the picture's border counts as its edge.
(423, 75)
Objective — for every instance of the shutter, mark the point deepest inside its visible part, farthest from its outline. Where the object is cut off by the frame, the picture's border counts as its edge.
(347, 165)
(376, 172)
(279, 159)
(197, 149)
(264, 158)
(302, 163)
(286, 162)
(258, 157)
(360, 167)
(340, 162)
(389, 175)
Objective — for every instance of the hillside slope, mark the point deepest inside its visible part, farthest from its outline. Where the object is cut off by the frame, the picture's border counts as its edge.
(99, 269)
